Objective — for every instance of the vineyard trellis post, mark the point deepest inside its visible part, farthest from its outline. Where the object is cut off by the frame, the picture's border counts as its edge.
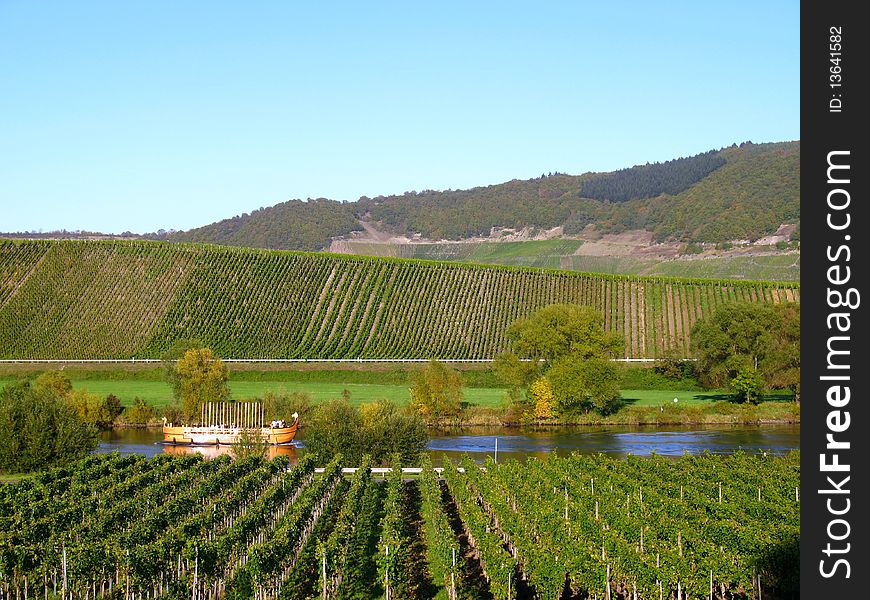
(195, 574)
(63, 595)
(323, 573)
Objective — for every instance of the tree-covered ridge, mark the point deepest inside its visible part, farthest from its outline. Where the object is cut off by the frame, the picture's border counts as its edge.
(651, 180)
(129, 299)
(741, 192)
(291, 225)
(457, 214)
(748, 198)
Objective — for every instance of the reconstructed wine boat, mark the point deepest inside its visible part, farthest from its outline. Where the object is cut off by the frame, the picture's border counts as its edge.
(224, 423)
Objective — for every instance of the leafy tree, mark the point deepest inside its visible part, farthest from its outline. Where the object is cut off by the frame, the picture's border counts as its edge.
(388, 431)
(334, 427)
(90, 408)
(170, 359)
(568, 346)
(746, 343)
(748, 385)
(282, 405)
(379, 429)
(39, 429)
(782, 361)
(171, 412)
(584, 384)
(516, 373)
(55, 383)
(141, 413)
(203, 378)
(561, 329)
(113, 405)
(674, 368)
(436, 391)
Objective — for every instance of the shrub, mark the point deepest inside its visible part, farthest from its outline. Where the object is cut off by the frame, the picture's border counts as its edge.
(379, 429)
(40, 430)
(141, 413)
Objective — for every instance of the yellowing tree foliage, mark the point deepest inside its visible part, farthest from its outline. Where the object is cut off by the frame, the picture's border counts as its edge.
(437, 391)
(203, 378)
(542, 394)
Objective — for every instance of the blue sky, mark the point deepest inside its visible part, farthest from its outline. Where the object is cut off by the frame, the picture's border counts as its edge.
(138, 116)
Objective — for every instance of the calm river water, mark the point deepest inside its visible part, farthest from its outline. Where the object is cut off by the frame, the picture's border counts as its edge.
(520, 443)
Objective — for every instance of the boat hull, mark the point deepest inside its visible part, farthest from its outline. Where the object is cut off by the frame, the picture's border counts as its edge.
(223, 436)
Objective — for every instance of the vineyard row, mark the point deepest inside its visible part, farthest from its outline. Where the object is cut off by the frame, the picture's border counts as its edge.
(114, 526)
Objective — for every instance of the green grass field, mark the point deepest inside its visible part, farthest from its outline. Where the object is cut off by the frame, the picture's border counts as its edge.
(158, 393)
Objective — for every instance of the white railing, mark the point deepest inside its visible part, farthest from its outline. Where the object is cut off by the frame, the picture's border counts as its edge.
(284, 360)
(385, 470)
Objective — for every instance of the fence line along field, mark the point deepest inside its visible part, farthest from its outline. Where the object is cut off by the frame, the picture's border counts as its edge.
(587, 526)
(123, 299)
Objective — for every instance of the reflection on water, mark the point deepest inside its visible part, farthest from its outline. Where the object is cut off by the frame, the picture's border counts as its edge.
(520, 443)
(150, 443)
(620, 441)
(215, 451)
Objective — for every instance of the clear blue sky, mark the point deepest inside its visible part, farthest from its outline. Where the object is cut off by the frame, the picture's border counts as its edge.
(145, 115)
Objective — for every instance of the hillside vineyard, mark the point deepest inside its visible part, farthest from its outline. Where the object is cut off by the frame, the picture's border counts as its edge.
(122, 299)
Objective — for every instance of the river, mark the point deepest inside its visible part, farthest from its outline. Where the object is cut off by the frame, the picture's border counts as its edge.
(519, 443)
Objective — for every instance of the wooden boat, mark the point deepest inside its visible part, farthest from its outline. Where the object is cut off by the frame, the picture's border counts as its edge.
(223, 423)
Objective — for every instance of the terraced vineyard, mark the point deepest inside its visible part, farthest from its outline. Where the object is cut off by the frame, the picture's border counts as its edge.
(80, 300)
(114, 526)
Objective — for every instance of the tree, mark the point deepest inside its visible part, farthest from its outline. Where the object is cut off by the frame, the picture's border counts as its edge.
(744, 344)
(113, 405)
(203, 378)
(436, 391)
(567, 346)
(515, 372)
(748, 385)
(55, 383)
(387, 431)
(542, 395)
(584, 384)
(781, 365)
(379, 429)
(170, 360)
(334, 427)
(91, 409)
(561, 329)
(39, 429)
(282, 405)
(141, 413)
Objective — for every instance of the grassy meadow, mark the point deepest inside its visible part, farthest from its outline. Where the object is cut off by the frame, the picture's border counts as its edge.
(646, 398)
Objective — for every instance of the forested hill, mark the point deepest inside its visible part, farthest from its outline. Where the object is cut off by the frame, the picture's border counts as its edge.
(739, 192)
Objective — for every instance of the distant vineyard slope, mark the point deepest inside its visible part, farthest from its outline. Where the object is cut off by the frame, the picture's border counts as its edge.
(123, 299)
